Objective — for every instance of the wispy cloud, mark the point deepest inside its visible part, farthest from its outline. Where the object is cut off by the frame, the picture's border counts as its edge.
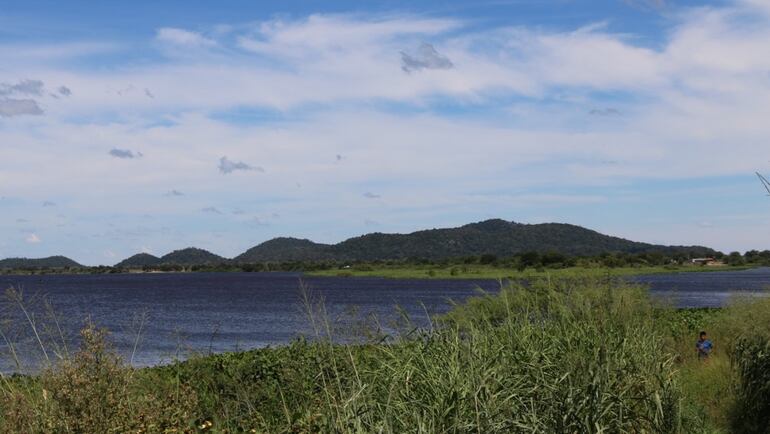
(257, 221)
(228, 166)
(174, 193)
(18, 107)
(124, 153)
(23, 87)
(609, 111)
(48, 203)
(183, 38)
(211, 210)
(33, 239)
(514, 110)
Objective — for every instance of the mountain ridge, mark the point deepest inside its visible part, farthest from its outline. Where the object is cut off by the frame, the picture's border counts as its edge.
(489, 237)
(494, 236)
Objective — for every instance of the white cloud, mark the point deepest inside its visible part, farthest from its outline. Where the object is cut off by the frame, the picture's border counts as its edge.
(33, 239)
(695, 106)
(184, 38)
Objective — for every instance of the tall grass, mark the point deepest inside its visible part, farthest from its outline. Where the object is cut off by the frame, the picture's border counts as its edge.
(568, 355)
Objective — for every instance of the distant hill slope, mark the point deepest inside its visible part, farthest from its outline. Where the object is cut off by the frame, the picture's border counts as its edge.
(49, 262)
(192, 256)
(286, 249)
(139, 260)
(497, 237)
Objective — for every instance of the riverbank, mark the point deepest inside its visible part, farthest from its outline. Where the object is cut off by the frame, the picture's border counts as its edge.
(478, 271)
(563, 355)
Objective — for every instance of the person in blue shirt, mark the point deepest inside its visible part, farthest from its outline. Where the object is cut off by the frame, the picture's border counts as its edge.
(703, 346)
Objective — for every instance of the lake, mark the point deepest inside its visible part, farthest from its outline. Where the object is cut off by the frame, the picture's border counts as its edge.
(178, 314)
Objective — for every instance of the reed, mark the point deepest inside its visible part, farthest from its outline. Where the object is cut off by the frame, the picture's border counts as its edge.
(557, 355)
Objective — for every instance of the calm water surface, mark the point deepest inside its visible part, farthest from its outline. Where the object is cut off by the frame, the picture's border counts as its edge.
(178, 314)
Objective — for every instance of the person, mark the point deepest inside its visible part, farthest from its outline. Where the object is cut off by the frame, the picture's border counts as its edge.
(703, 346)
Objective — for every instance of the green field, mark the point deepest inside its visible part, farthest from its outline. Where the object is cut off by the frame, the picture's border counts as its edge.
(477, 271)
(561, 355)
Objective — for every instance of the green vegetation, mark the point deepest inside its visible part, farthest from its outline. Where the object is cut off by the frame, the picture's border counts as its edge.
(487, 249)
(49, 262)
(561, 355)
(139, 260)
(491, 237)
(190, 256)
(491, 272)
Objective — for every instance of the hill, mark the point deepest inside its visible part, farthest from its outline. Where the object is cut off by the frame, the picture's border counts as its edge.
(49, 262)
(191, 256)
(139, 260)
(286, 249)
(497, 237)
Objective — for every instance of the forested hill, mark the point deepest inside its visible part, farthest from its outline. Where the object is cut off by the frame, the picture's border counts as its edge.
(139, 260)
(286, 249)
(50, 262)
(192, 256)
(496, 237)
(184, 257)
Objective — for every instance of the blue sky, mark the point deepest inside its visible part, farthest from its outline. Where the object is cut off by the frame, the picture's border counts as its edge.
(153, 126)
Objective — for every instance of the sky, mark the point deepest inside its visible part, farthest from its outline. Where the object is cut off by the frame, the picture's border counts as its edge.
(154, 126)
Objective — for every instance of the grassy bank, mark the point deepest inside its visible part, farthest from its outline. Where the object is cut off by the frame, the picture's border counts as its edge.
(564, 355)
(479, 271)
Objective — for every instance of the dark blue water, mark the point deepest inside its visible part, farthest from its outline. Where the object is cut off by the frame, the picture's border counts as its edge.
(179, 314)
(707, 289)
(175, 315)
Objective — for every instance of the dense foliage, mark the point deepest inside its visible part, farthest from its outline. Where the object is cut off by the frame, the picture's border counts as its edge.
(50, 262)
(494, 237)
(492, 243)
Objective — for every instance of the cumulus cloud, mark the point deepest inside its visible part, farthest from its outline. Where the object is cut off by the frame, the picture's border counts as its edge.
(370, 195)
(33, 239)
(18, 107)
(228, 166)
(124, 153)
(425, 57)
(183, 38)
(703, 83)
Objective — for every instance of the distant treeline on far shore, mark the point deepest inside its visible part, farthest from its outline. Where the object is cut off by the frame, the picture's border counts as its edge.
(519, 262)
